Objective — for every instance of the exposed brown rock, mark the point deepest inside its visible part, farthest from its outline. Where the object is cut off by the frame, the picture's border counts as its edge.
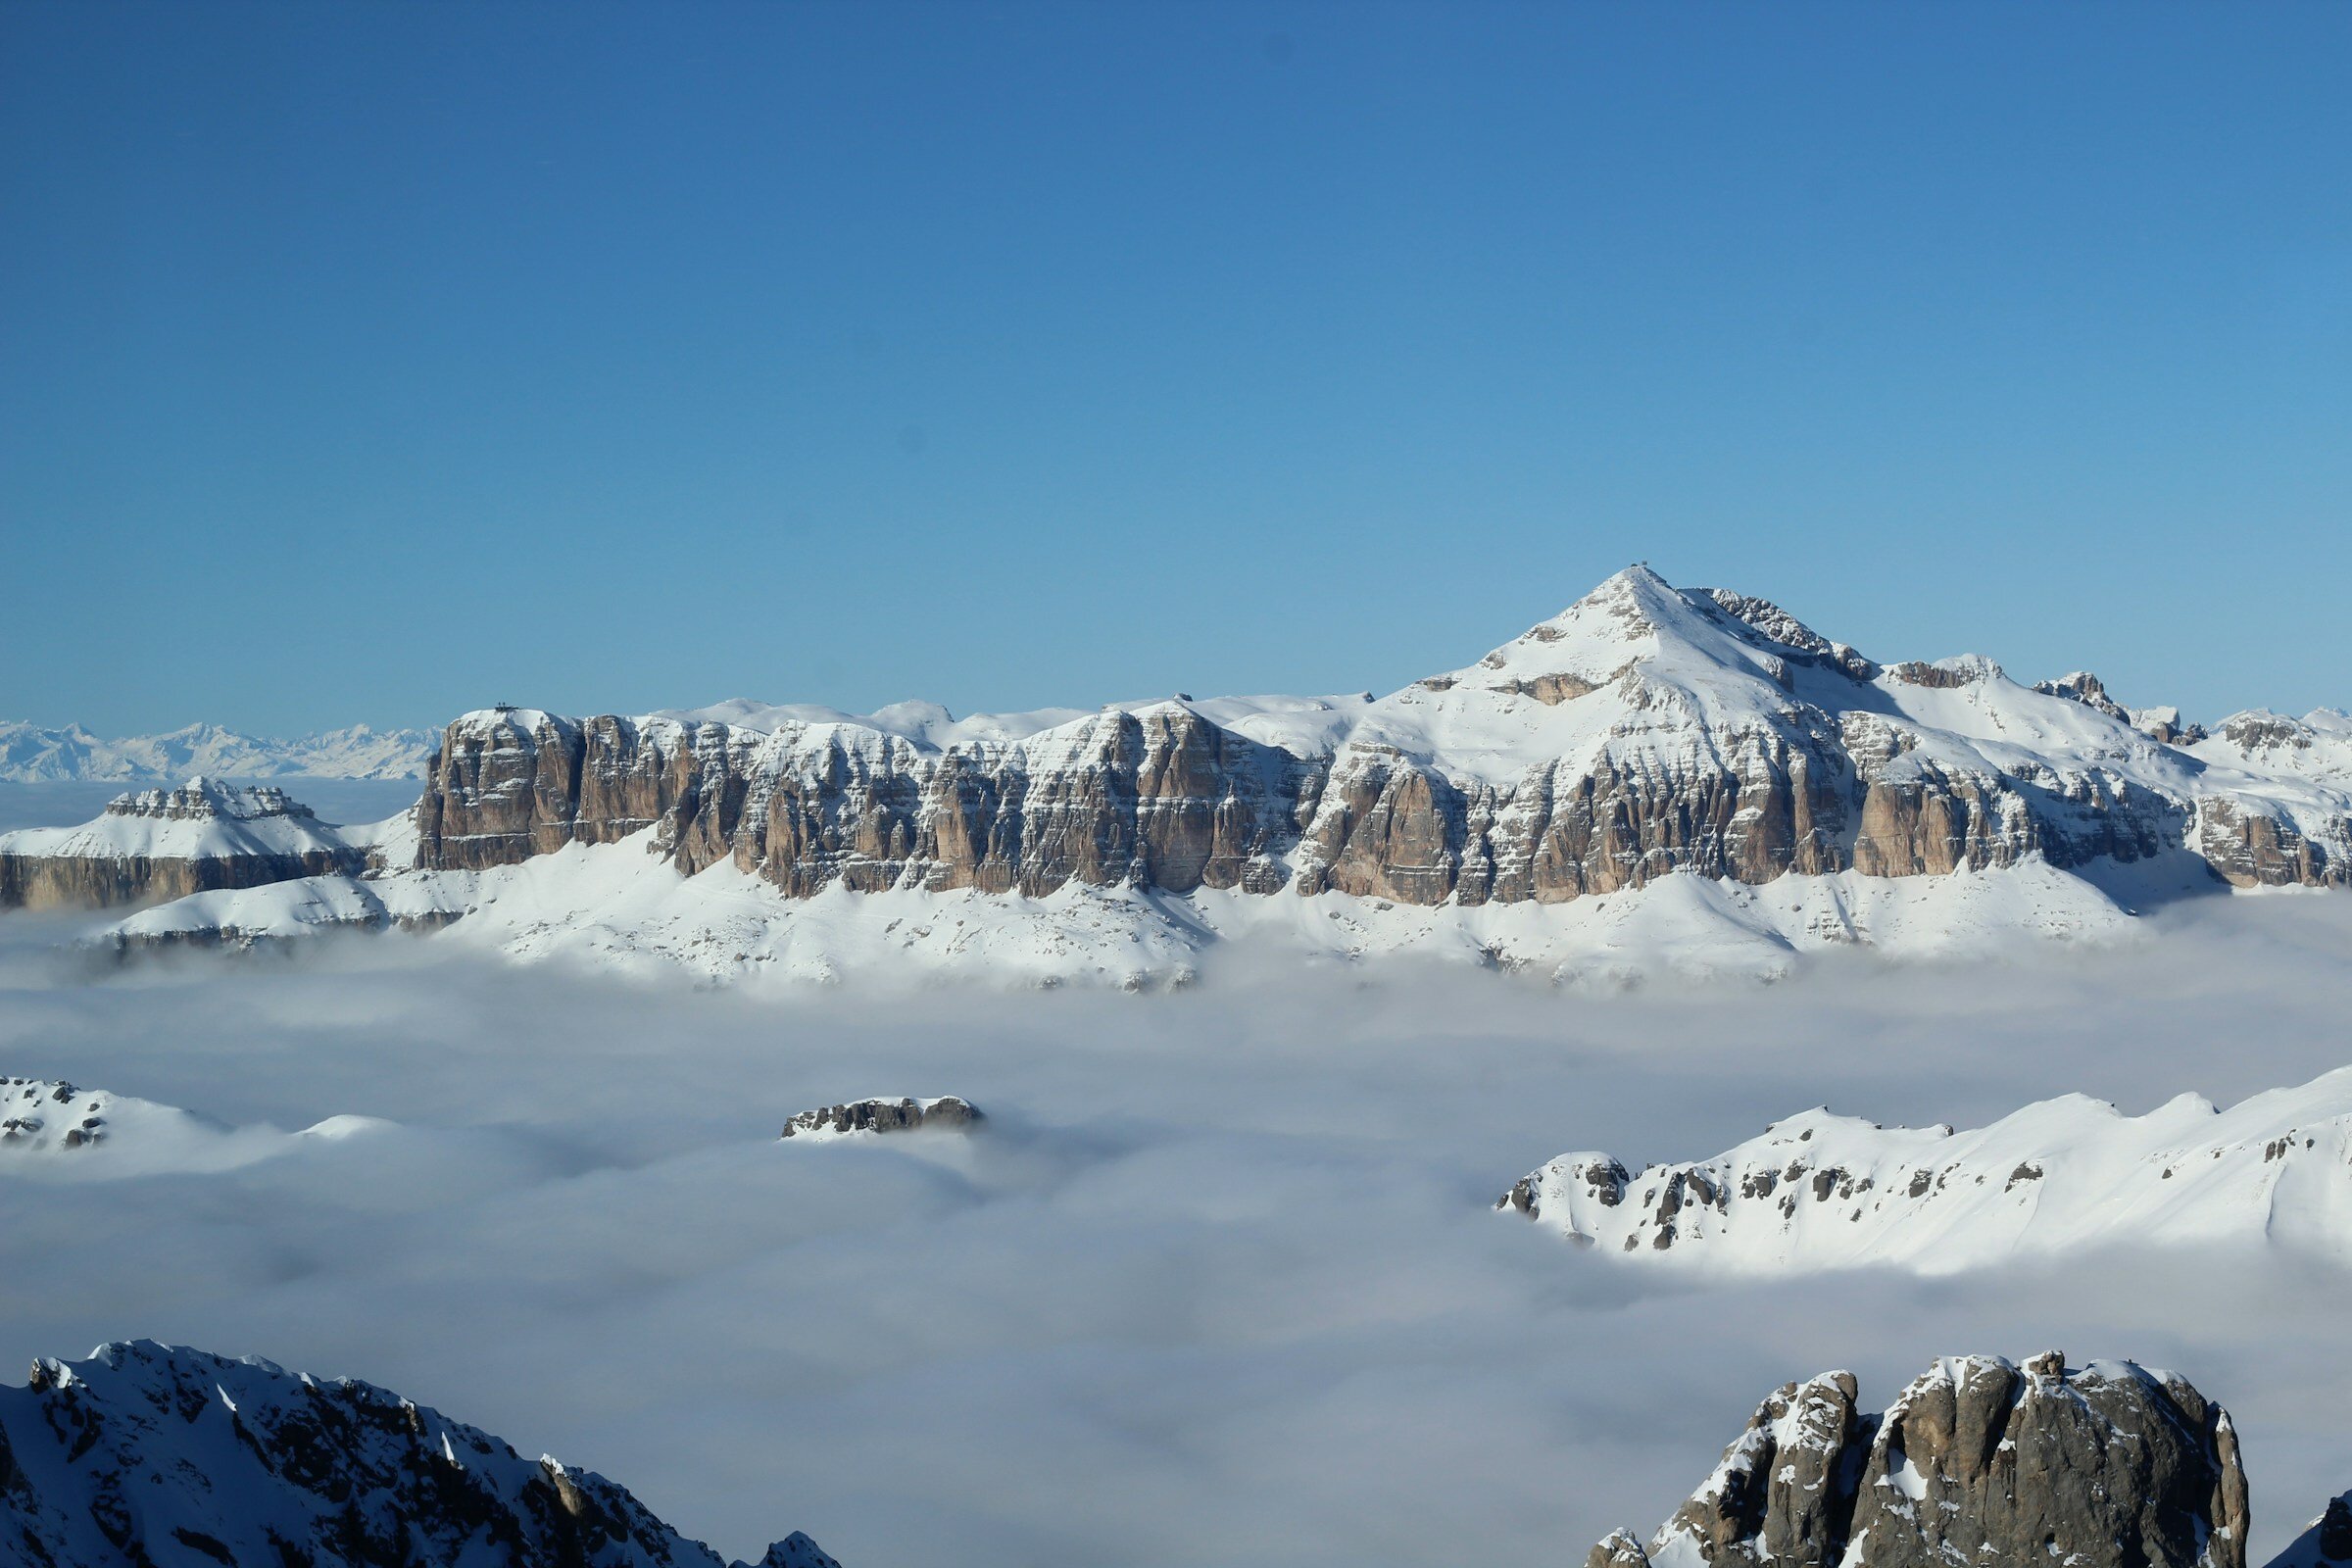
(1977, 1461)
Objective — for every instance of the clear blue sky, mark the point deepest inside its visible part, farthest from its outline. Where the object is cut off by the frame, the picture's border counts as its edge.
(377, 361)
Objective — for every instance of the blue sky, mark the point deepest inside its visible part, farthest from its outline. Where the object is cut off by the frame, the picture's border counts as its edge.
(377, 361)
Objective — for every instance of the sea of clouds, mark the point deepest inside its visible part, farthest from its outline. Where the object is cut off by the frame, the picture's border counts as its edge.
(1221, 1281)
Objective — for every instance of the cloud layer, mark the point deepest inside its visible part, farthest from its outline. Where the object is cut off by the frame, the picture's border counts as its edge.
(1219, 1284)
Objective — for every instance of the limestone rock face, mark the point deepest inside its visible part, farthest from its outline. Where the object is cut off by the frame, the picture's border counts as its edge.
(154, 1454)
(1784, 1493)
(1160, 798)
(944, 1114)
(1644, 731)
(1978, 1460)
(158, 844)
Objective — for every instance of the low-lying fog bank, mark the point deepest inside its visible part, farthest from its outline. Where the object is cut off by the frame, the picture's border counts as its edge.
(1217, 1282)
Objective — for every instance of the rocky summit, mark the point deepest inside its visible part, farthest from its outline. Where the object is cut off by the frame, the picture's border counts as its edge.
(1976, 1461)
(170, 1457)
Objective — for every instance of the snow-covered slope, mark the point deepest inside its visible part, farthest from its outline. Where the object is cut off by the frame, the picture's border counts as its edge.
(166, 1456)
(1764, 789)
(53, 1129)
(1821, 1191)
(616, 906)
(31, 754)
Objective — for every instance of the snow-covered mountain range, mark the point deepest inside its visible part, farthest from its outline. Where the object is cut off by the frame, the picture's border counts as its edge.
(1654, 776)
(1820, 1191)
(156, 1455)
(1643, 731)
(32, 754)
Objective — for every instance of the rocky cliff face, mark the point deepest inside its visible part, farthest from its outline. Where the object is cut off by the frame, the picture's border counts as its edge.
(159, 843)
(1643, 731)
(1977, 1461)
(147, 1454)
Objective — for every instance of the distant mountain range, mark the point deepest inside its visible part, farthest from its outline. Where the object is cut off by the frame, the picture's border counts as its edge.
(1654, 772)
(32, 755)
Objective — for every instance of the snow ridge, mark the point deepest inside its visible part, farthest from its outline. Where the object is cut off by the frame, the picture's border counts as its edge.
(1820, 1191)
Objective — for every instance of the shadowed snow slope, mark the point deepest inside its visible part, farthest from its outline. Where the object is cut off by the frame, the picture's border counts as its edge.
(157, 1454)
(1821, 1191)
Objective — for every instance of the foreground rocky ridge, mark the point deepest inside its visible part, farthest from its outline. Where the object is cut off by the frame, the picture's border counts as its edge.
(1821, 1191)
(175, 1458)
(1643, 731)
(1976, 1461)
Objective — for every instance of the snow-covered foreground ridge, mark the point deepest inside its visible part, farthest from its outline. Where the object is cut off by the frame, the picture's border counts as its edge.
(159, 1455)
(32, 755)
(1820, 1191)
(1653, 779)
(1976, 1461)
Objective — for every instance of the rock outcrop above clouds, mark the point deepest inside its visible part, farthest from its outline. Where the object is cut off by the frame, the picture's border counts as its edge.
(942, 1113)
(1979, 1460)
(152, 845)
(1820, 1191)
(1645, 730)
(155, 1455)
